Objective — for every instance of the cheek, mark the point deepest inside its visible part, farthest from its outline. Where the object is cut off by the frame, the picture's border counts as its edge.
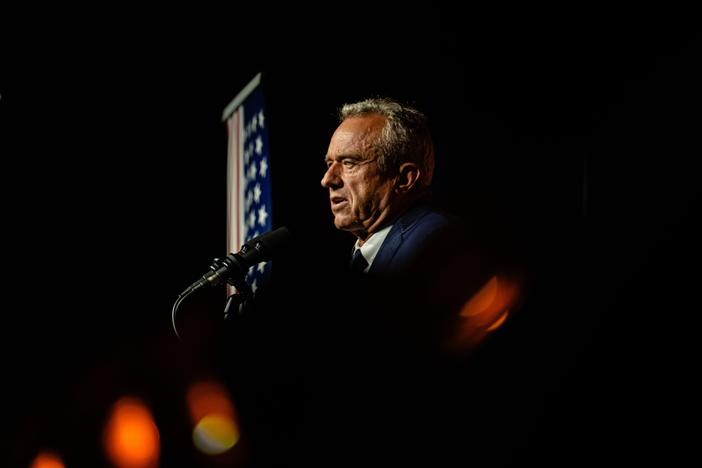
(365, 196)
(371, 202)
(359, 195)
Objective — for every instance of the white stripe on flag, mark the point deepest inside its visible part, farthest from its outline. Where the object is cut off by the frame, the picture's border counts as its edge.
(234, 184)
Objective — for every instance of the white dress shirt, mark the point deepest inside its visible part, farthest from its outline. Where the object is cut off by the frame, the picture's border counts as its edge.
(371, 246)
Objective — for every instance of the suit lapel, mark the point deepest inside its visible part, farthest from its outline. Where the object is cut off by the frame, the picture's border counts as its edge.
(387, 250)
(396, 237)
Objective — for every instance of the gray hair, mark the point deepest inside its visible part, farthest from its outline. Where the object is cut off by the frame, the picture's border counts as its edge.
(405, 137)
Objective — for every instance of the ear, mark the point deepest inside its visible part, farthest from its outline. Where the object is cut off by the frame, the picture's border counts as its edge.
(408, 176)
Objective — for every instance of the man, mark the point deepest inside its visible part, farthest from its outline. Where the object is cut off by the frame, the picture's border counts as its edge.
(380, 164)
(424, 268)
(420, 269)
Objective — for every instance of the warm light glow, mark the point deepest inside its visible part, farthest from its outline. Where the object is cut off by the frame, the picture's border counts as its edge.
(131, 436)
(205, 398)
(481, 301)
(486, 311)
(215, 434)
(498, 323)
(47, 460)
(214, 416)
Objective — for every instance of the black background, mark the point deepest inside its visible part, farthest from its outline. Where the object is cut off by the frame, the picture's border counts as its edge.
(571, 145)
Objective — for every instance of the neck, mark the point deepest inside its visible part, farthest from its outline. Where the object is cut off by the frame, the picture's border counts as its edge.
(389, 215)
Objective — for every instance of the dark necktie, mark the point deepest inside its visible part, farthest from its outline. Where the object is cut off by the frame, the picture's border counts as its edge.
(358, 263)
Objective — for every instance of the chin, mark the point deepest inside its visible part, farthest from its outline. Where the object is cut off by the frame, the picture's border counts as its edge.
(343, 225)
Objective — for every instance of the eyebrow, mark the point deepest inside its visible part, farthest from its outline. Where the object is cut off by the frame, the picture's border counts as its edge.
(357, 157)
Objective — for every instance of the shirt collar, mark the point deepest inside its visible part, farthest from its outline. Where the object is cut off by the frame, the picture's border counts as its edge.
(371, 246)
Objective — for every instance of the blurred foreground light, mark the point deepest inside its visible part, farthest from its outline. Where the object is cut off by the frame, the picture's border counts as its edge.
(215, 434)
(47, 460)
(486, 311)
(214, 417)
(131, 436)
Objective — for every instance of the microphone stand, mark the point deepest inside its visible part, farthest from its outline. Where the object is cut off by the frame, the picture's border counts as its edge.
(237, 279)
(232, 269)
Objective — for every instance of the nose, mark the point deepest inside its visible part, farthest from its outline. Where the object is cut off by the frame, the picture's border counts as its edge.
(331, 178)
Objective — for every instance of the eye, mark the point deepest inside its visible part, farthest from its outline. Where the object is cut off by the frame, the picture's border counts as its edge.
(348, 163)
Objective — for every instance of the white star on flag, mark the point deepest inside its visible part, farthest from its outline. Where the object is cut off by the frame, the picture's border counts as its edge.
(260, 118)
(249, 200)
(252, 171)
(261, 267)
(264, 167)
(257, 193)
(259, 145)
(252, 220)
(262, 216)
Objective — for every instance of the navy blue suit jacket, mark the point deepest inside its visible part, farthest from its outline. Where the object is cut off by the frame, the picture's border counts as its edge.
(422, 275)
(410, 239)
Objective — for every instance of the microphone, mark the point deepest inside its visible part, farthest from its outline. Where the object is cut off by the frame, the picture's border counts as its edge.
(232, 268)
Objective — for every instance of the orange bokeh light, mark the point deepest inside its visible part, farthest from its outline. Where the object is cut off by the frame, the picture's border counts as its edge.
(213, 414)
(486, 311)
(47, 460)
(131, 436)
(208, 397)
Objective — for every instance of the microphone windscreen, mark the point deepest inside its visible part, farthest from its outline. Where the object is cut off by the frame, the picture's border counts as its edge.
(263, 247)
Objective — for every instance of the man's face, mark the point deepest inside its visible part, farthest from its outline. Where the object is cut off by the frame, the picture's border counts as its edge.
(360, 196)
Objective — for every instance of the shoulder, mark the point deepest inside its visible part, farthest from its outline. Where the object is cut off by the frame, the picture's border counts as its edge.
(429, 222)
(414, 235)
(424, 222)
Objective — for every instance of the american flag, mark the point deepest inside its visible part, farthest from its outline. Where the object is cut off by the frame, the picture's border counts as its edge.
(248, 174)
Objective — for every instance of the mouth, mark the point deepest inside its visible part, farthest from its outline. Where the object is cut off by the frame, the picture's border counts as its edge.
(337, 201)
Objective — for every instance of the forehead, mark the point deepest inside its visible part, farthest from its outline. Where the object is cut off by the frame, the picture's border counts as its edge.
(356, 135)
